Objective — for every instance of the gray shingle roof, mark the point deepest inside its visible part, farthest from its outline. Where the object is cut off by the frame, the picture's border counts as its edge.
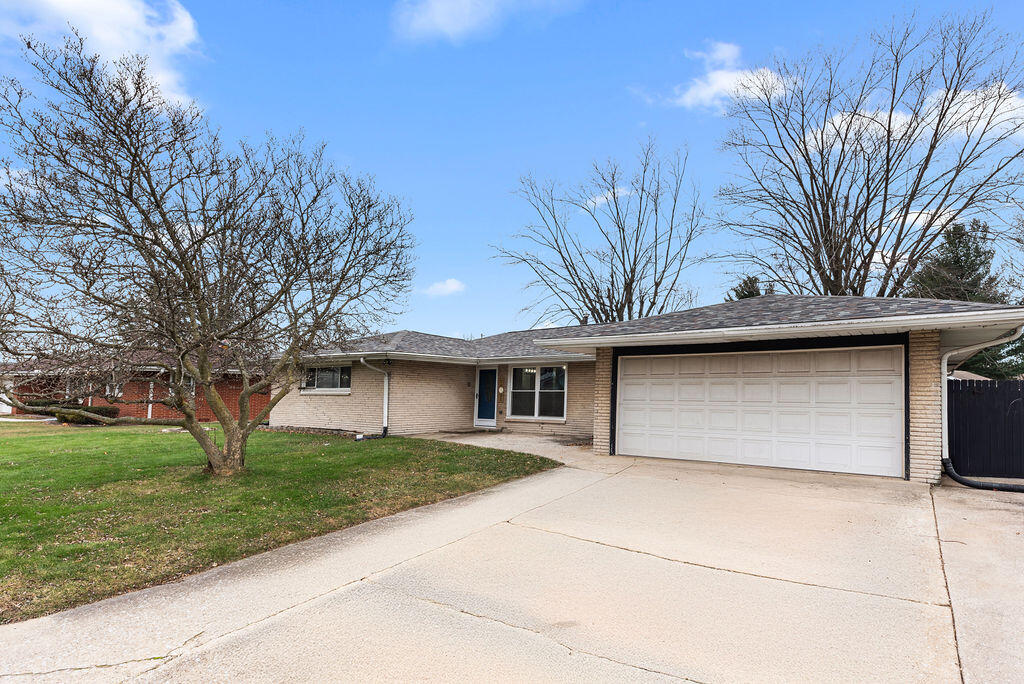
(759, 311)
(781, 309)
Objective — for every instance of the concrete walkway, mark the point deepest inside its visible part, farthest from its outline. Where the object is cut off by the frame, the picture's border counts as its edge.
(611, 569)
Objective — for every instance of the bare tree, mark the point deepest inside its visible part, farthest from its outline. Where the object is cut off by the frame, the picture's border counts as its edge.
(628, 262)
(850, 172)
(137, 246)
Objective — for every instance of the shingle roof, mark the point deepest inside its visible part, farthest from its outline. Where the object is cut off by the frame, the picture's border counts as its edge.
(768, 310)
(517, 344)
(781, 309)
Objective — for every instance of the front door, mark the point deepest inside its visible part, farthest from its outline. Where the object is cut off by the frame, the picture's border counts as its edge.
(486, 397)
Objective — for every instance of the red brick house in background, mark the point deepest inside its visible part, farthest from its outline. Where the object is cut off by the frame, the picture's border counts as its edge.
(135, 396)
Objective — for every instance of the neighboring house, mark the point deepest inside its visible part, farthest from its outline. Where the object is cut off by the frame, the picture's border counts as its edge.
(966, 375)
(132, 398)
(844, 384)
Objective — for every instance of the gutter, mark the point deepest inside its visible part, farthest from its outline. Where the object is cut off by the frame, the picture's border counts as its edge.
(946, 321)
(387, 388)
(947, 463)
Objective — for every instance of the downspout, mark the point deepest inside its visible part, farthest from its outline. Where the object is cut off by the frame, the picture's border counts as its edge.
(947, 464)
(387, 388)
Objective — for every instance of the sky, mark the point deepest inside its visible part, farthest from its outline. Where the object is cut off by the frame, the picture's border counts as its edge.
(447, 103)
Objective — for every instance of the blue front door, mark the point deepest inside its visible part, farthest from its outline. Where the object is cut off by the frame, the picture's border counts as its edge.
(487, 383)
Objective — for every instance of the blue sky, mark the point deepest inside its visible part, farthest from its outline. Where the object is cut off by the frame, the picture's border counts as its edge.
(448, 102)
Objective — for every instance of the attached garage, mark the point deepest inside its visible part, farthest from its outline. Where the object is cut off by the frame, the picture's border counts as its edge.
(839, 410)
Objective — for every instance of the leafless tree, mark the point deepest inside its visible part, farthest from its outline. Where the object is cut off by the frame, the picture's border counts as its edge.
(138, 246)
(628, 260)
(849, 172)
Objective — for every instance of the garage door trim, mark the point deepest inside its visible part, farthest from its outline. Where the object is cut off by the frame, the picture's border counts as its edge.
(794, 345)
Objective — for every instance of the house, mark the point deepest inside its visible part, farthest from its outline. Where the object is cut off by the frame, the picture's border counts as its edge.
(843, 384)
(966, 375)
(136, 397)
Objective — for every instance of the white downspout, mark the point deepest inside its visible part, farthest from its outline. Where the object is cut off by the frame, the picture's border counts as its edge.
(387, 388)
(1015, 335)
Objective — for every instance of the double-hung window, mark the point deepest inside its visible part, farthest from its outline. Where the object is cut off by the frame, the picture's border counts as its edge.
(331, 379)
(537, 392)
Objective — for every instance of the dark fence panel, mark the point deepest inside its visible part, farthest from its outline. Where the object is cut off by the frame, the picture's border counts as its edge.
(986, 427)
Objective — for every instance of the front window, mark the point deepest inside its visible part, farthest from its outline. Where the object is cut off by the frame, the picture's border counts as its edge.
(537, 392)
(331, 378)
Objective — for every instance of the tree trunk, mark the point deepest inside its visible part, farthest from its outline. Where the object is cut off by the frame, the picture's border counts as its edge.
(229, 460)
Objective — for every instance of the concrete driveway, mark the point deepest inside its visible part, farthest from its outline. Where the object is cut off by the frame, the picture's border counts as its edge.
(610, 569)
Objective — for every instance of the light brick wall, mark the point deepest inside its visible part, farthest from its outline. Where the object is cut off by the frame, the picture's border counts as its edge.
(602, 400)
(431, 397)
(925, 386)
(579, 410)
(360, 411)
(424, 397)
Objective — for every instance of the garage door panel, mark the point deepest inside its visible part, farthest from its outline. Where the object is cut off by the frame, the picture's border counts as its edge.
(756, 420)
(793, 422)
(756, 364)
(793, 454)
(691, 418)
(837, 410)
(834, 423)
(879, 360)
(833, 361)
(634, 391)
(661, 390)
(723, 390)
(833, 391)
(757, 451)
(663, 365)
(691, 390)
(880, 392)
(723, 419)
(793, 391)
(634, 366)
(758, 391)
(834, 456)
(885, 425)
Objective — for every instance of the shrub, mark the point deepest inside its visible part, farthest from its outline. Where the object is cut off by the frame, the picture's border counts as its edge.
(74, 419)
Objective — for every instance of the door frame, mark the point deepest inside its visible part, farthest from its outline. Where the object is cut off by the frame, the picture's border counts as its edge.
(477, 421)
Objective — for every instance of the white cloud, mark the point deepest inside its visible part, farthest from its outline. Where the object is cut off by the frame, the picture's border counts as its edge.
(723, 79)
(457, 20)
(443, 288)
(161, 29)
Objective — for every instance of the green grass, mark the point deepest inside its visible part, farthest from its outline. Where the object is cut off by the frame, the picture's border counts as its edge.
(87, 513)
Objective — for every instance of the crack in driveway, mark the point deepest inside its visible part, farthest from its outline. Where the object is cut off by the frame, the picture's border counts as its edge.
(490, 618)
(721, 569)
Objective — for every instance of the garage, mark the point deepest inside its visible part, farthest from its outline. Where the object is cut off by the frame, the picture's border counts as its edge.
(839, 410)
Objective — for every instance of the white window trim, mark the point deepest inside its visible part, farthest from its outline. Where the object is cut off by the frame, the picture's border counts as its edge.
(329, 391)
(536, 396)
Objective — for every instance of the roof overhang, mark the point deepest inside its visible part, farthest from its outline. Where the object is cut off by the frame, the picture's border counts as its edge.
(437, 358)
(992, 323)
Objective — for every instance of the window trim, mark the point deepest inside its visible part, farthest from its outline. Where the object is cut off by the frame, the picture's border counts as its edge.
(336, 391)
(536, 395)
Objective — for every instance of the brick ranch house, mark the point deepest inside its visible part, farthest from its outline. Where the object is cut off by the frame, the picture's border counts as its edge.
(133, 397)
(840, 384)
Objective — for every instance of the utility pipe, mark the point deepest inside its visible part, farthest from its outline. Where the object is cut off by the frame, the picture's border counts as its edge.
(387, 387)
(947, 463)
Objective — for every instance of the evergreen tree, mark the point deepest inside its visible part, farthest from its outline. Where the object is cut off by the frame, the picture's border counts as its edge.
(749, 286)
(961, 269)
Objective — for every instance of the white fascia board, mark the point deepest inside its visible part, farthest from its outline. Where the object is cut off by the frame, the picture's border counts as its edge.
(434, 358)
(947, 321)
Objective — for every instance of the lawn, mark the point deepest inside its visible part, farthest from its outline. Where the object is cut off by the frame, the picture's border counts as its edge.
(87, 513)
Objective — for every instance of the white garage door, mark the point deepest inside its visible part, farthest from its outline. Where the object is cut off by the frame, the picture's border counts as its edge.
(836, 410)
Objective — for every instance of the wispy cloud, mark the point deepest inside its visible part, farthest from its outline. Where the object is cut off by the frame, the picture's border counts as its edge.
(161, 29)
(444, 288)
(458, 20)
(723, 79)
